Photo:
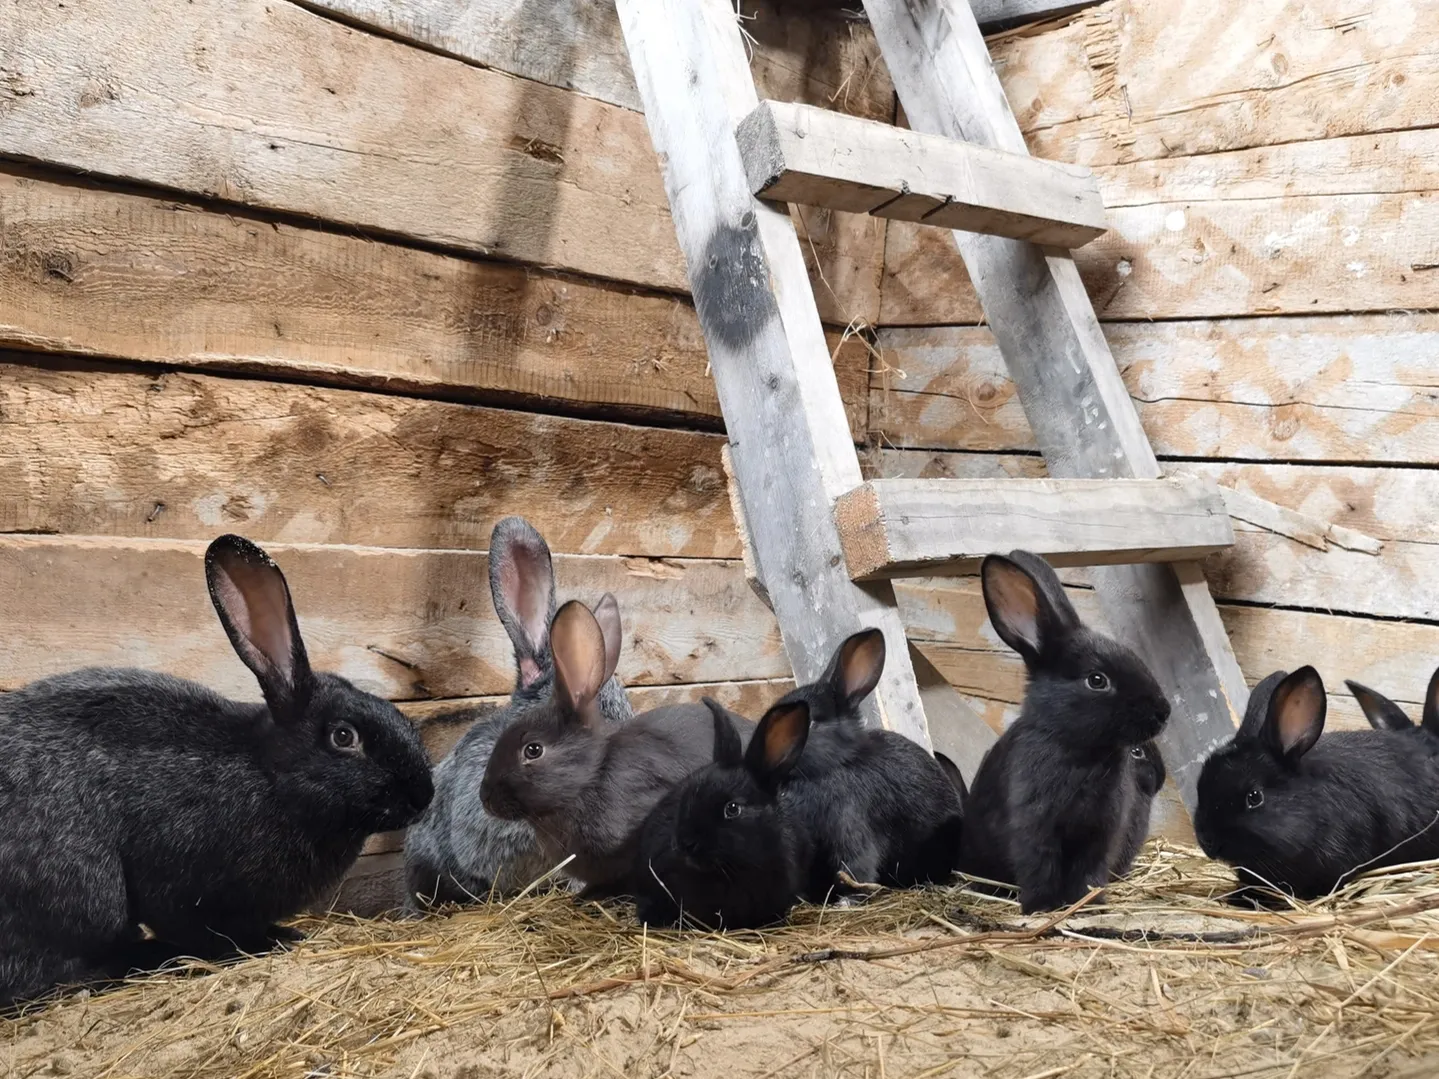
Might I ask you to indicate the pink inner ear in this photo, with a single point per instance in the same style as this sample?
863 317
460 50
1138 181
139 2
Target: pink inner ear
1016 599
525 586
529 672
254 598
862 666
1298 712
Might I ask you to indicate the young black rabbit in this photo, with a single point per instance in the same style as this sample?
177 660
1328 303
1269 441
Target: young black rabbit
1301 814
1053 807
875 803
586 785
1384 715
878 806
1149 776
718 850
457 852
135 798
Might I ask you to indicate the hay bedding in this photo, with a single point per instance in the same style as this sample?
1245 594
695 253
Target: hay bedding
923 983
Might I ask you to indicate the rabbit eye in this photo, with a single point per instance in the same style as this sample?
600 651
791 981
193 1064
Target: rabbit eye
534 751
731 810
1099 682
1138 753
1254 799
344 737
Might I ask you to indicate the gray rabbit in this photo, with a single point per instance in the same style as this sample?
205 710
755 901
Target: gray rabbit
458 853
584 783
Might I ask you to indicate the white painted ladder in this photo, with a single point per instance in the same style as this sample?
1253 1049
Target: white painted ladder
813 527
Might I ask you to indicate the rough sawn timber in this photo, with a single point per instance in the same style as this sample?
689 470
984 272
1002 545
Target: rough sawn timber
945 527
1391 508
1076 403
272 105
818 157
182 456
1330 388
1138 79
577 44
783 414
91 272
400 623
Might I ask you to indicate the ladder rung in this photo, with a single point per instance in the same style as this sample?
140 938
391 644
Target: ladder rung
818 157
921 528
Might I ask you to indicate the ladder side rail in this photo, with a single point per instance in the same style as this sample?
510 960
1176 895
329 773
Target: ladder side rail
1076 403
790 444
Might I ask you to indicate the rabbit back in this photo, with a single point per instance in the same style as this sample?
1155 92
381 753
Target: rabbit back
878 806
151 758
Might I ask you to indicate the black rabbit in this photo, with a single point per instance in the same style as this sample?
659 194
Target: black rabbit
718 850
1053 807
586 785
132 798
1384 715
877 805
457 852
1299 814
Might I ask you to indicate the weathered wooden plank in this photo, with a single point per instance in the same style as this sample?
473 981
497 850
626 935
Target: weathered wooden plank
945 527
101 452
577 44
1391 505
271 105
1076 403
948 622
818 157
1234 256
1352 388
86 271
1133 79
403 623
777 389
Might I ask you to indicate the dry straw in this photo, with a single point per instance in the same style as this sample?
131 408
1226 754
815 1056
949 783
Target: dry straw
1164 981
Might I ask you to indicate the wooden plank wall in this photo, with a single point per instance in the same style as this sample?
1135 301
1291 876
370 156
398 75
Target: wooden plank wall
1268 289
356 278
357 289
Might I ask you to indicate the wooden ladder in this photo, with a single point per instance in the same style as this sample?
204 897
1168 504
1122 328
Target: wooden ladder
822 544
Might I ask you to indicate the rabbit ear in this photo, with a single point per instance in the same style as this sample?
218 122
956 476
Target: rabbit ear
1257 709
856 667
578 645
1430 718
952 773
728 751
253 602
1382 713
607 614
1026 603
778 742
1296 714
522 585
